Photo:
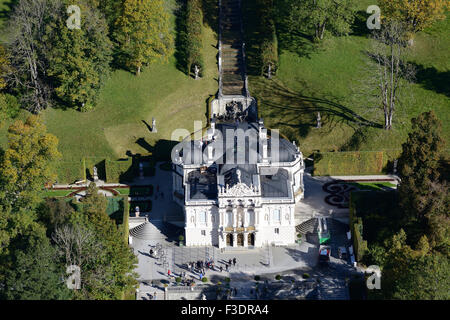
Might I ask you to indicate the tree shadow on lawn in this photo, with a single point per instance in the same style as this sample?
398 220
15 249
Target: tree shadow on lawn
301 110
432 79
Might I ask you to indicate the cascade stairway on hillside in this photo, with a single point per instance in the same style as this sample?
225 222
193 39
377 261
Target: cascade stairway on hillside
233 69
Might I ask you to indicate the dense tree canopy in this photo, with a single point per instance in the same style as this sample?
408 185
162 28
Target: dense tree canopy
143 33
27 163
321 15
80 58
417 14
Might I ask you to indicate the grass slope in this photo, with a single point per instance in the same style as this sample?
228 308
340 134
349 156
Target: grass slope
327 79
116 126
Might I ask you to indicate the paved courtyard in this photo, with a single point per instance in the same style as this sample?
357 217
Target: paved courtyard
165 225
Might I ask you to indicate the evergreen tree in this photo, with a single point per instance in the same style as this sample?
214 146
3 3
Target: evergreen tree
419 170
35 275
143 33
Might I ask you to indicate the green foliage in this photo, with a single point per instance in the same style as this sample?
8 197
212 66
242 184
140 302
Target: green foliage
193 42
204 279
349 163
418 163
70 171
36 275
143 33
278 277
356 228
316 16
79 58
9 107
27 163
306 276
257 278
120 170
261 35
115 262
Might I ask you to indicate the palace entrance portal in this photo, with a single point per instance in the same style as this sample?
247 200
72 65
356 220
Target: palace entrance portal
240 240
251 239
229 240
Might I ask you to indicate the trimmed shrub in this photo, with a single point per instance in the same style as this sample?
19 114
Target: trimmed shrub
125 219
178 279
349 163
204 279
356 228
278 277
120 170
70 171
193 42
305 276
227 279
268 37
257 278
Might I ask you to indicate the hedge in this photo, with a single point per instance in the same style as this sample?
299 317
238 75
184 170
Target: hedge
193 42
125 219
268 37
350 163
70 171
99 163
119 170
356 228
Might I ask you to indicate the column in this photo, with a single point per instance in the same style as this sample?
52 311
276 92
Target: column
234 239
245 239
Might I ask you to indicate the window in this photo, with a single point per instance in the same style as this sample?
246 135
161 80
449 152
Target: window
277 230
203 232
202 217
229 218
276 215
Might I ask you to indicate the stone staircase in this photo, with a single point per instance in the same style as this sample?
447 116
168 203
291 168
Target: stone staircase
309 226
232 55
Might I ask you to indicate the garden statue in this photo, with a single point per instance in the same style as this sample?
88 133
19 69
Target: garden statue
137 211
319 122
95 174
269 72
196 71
154 125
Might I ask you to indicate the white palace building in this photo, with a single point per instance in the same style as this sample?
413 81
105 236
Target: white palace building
238 184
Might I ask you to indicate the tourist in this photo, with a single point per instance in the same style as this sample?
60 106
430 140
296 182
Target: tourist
168 273
154 295
221 268
226 267
229 261
234 261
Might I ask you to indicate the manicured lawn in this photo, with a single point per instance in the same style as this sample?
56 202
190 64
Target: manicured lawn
328 79
116 127
373 185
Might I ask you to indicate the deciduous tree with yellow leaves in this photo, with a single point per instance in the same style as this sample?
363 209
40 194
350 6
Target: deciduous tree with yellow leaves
418 14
